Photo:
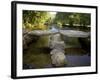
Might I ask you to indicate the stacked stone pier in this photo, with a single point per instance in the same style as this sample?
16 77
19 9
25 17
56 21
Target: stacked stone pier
57 50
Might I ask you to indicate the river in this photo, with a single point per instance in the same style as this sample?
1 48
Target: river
38 54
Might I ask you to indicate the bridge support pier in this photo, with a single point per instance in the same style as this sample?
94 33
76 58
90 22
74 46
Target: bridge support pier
57 53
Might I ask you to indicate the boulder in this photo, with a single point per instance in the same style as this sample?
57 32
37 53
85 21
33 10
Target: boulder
27 38
58 57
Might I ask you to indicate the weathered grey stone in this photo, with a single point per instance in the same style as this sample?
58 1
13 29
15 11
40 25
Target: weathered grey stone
57 53
42 32
58 57
74 33
57 45
69 33
27 38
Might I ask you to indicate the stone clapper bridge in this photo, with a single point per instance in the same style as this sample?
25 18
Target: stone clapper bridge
57 45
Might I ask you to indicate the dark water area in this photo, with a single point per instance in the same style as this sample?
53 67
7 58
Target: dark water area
78 60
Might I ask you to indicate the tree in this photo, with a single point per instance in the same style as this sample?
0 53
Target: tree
85 19
80 19
35 19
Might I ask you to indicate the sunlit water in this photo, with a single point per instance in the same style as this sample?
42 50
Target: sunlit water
53 29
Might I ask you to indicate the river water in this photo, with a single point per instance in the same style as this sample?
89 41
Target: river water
38 55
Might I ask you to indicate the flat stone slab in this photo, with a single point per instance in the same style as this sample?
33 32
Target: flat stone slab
42 32
68 33
74 33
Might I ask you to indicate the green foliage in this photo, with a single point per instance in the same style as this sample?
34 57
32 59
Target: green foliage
85 19
82 19
59 24
35 19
